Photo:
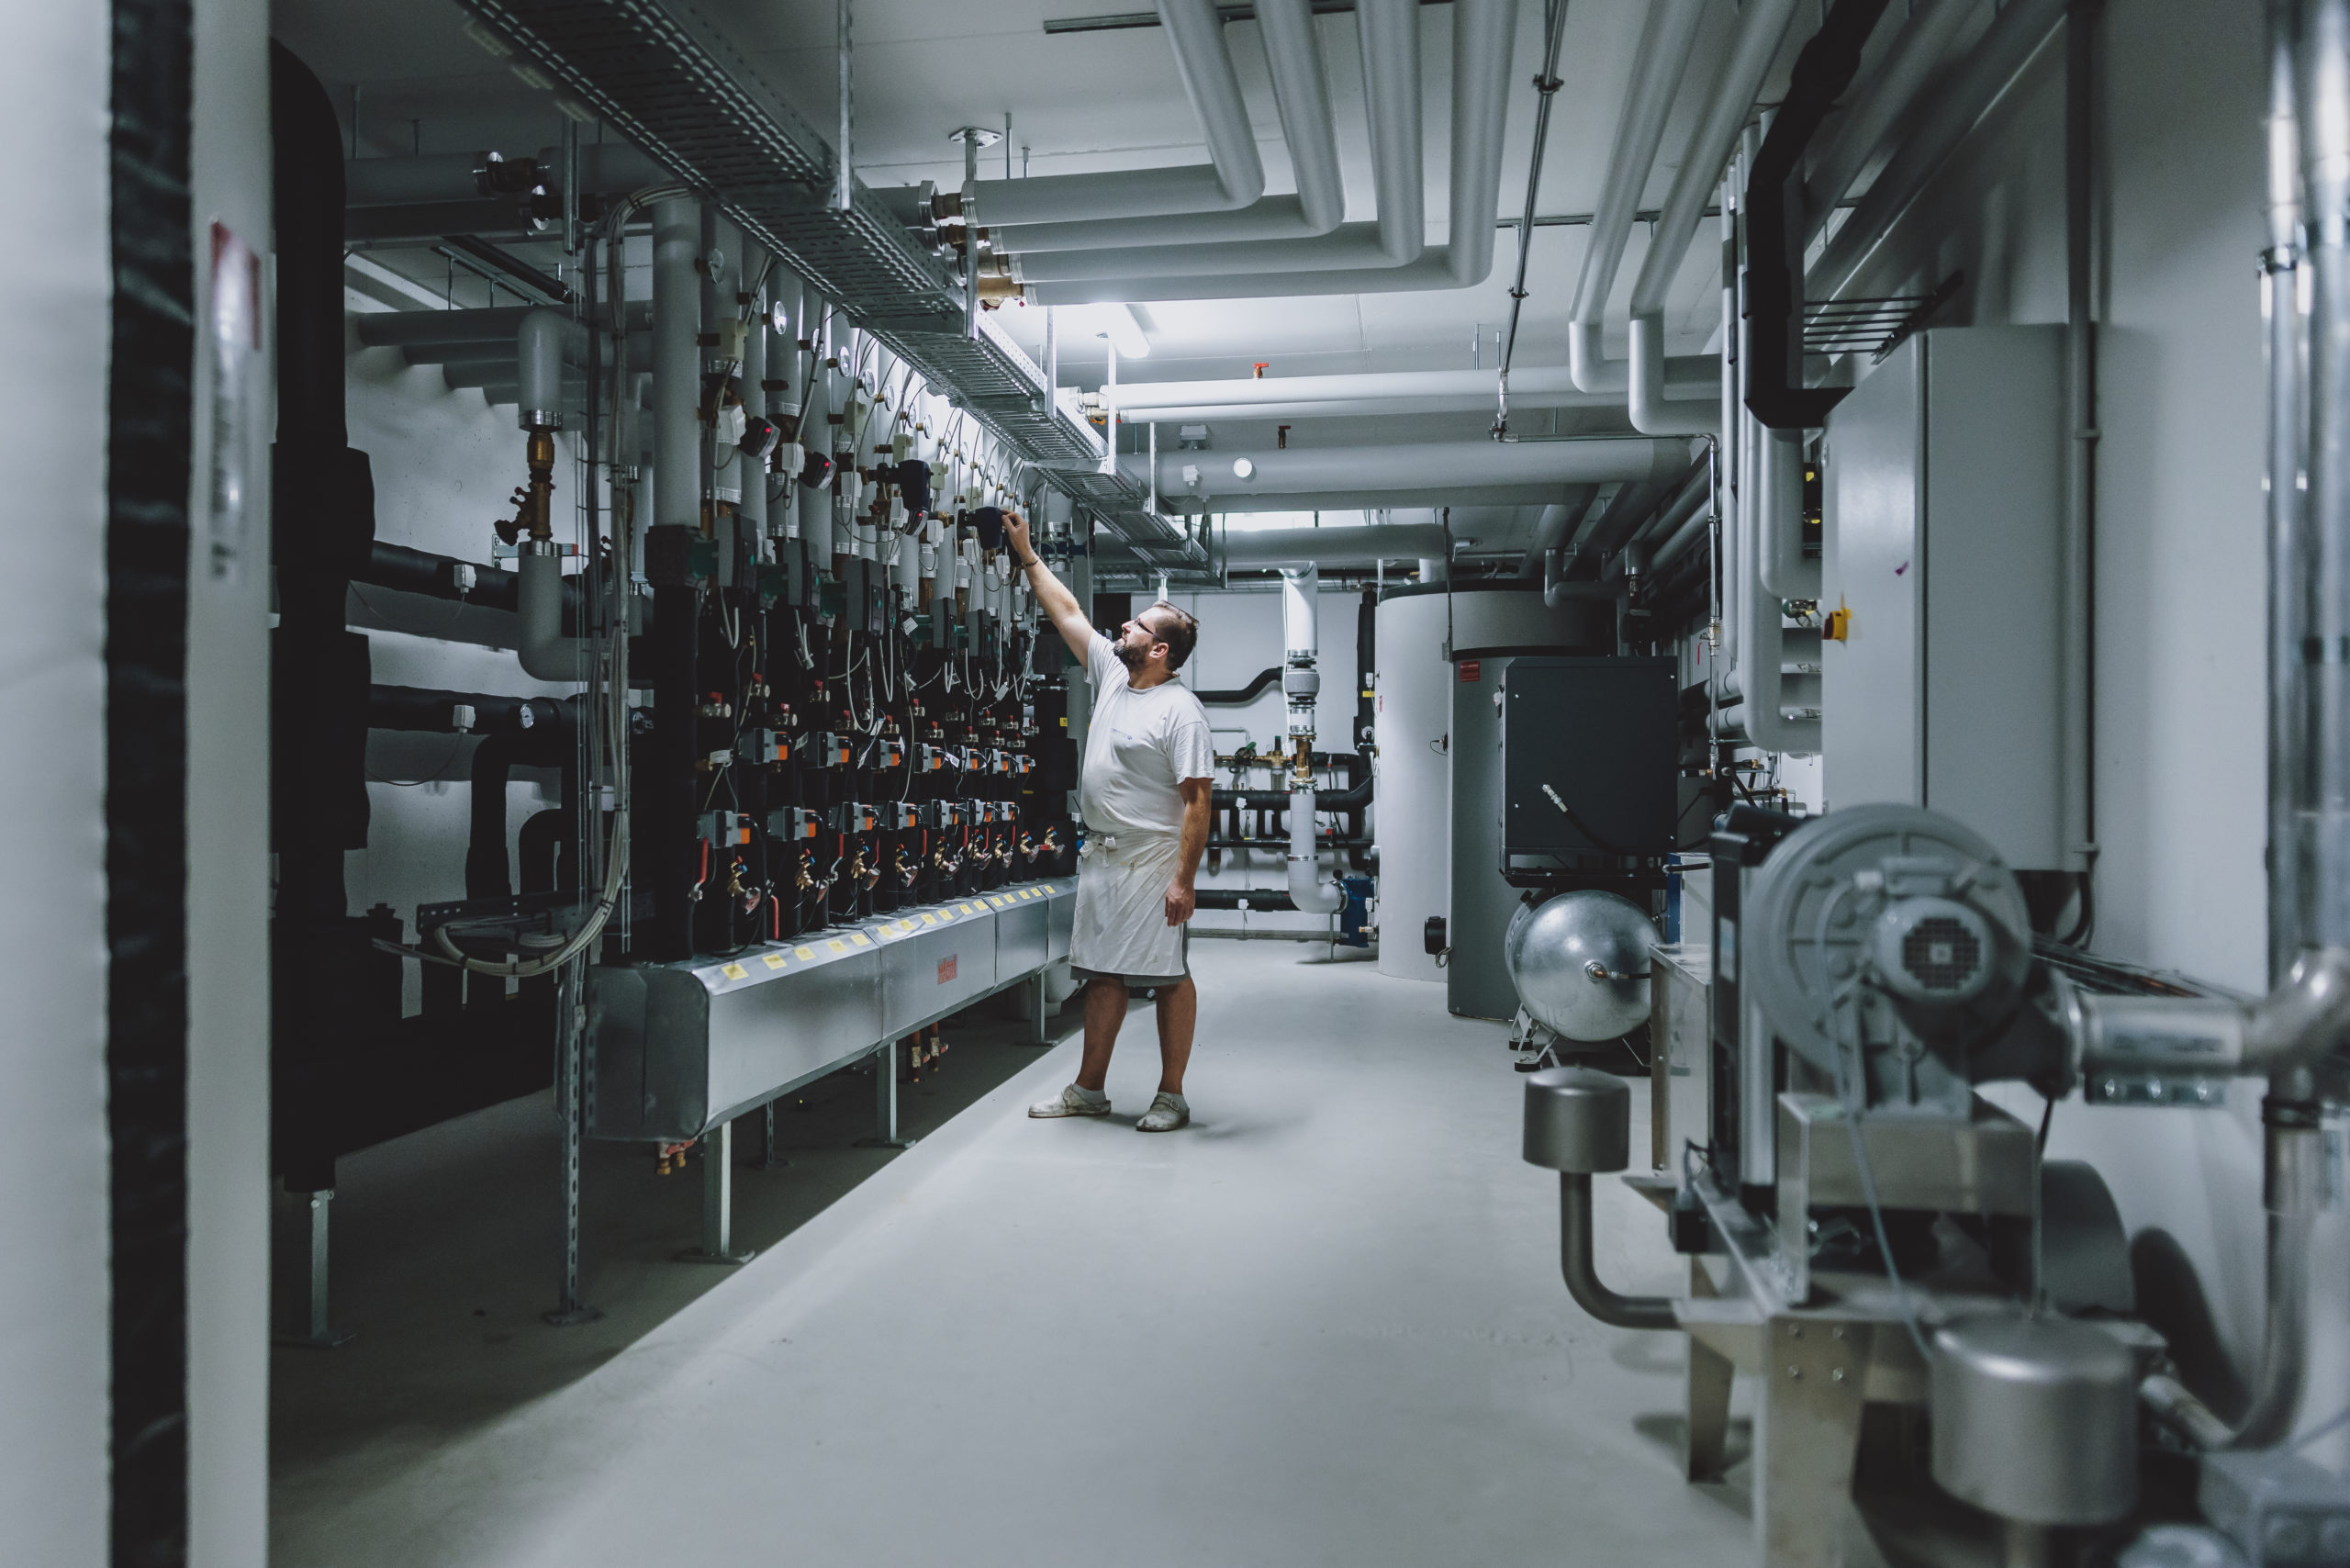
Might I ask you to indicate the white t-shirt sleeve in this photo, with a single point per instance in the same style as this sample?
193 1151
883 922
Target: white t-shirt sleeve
1101 657
1190 751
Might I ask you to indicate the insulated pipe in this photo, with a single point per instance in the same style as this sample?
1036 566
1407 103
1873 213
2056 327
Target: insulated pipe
1656 78
1390 68
420 709
1884 97
1302 685
539 344
1234 178
677 379
2286 542
551 745
431 178
1329 546
1384 392
1430 465
751 472
1483 31
1785 571
815 435
544 652
1302 93
2013 37
1761 28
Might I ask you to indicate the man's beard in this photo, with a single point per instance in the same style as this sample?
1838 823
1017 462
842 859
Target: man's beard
1133 658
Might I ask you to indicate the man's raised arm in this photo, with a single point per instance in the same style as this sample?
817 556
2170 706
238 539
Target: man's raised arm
1058 604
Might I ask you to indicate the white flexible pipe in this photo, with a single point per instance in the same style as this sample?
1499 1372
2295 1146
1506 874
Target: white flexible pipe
1483 31
1663 55
1234 177
1302 92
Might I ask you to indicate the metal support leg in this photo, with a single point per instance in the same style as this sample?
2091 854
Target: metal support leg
1710 1376
1807 1431
718 1202
303 1313
1039 1009
570 1311
885 1100
771 1154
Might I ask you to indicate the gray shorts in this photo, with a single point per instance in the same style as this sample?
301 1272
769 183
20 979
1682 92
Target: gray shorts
1132 982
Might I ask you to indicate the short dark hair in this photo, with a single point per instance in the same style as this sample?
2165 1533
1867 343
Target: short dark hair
1178 630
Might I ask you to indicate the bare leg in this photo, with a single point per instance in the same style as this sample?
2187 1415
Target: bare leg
1178 1009
1105 1009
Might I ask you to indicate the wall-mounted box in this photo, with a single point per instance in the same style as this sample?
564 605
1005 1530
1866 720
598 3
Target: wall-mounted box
1944 546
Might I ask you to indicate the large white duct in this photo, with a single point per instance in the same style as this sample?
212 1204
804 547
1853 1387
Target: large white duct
1663 55
1302 92
1384 392
1390 68
1232 481
1483 31
1234 178
1356 547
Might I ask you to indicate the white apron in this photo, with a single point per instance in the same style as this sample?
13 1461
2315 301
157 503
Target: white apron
1121 921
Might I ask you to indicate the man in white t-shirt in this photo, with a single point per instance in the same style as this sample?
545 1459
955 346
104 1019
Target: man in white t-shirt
1144 792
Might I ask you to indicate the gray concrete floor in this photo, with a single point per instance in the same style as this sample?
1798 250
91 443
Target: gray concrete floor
1322 1326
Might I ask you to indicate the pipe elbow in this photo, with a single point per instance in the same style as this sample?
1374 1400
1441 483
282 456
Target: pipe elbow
2305 1018
544 652
1651 413
1587 361
1306 889
1582 1276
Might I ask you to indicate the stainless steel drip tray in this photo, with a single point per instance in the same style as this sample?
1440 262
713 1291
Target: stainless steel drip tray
676 1048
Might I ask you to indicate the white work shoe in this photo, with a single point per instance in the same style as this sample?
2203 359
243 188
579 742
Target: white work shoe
1072 1102
1166 1115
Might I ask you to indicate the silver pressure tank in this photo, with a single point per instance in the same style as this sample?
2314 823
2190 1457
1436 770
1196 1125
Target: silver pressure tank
1580 962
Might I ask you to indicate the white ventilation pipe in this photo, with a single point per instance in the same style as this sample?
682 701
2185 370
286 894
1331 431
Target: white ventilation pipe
1656 78
1482 32
1229 480
1395 391
677 364
1220 242
1234 178
1761 28
1301 685
1355 547
1302 93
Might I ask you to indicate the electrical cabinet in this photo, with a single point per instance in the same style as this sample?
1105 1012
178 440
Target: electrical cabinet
1591 754
1942 570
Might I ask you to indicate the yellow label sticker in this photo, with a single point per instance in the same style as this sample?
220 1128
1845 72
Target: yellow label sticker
1064 721
862 940
774 960
735 971
930 920
805 953
838 945
968 910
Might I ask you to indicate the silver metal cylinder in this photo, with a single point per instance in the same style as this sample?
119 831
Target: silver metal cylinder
2035 1420
677 321
1578 1120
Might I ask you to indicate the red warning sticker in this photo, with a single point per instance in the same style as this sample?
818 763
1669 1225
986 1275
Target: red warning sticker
946 968
1471 672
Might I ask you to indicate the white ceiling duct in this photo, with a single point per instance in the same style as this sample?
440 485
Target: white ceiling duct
1357 258
1302 92
1508 471
1234 177
1381 392
1356 546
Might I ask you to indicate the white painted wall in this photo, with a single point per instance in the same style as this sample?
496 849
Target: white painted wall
228 739
54 1286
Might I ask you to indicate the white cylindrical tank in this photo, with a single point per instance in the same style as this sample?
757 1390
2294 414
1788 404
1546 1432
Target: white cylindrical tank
1412 713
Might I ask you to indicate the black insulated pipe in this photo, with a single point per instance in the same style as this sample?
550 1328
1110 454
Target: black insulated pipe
1775 392
1235 696
421 710
487 870
1583 1276
439 576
